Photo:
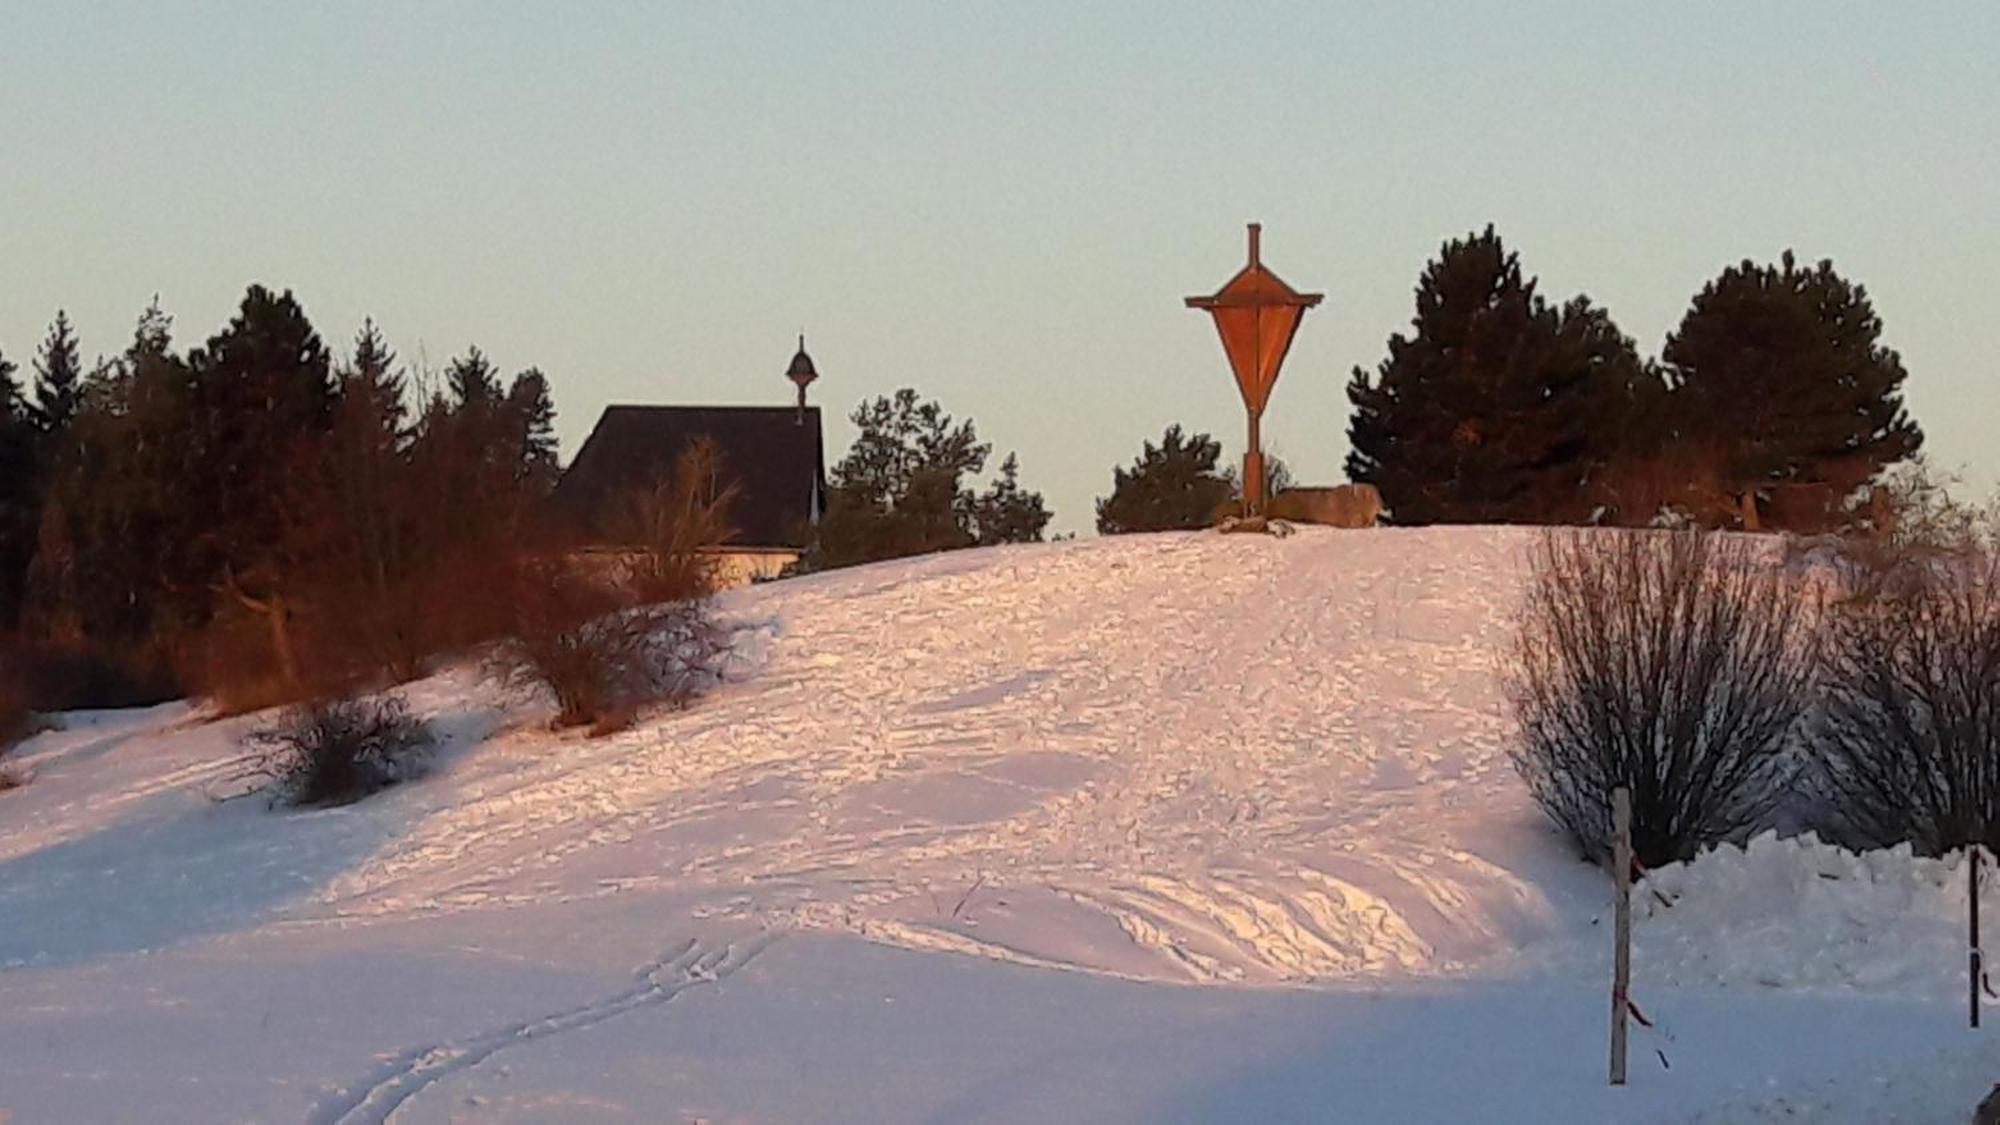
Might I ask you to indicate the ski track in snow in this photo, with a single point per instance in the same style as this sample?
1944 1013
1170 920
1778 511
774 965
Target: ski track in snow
1247 753
404 1077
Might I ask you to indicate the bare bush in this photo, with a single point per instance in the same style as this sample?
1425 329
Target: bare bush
1676 664
1907 745
602 660
672 525
334 752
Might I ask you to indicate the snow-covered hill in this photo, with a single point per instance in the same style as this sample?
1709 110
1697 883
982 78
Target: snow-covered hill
1218 760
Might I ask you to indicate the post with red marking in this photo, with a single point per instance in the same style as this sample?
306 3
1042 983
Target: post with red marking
1621 960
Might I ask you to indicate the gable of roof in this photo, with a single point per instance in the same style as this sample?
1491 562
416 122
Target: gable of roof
771 454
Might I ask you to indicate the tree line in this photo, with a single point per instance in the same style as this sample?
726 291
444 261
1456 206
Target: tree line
1774 404
262 518
256 507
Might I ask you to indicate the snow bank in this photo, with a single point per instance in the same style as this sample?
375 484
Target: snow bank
1798 913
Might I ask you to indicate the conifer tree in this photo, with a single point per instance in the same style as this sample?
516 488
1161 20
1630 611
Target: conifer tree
1497 407
899 491
1008 513
58 377
365 477
262 393
18 499
1782 369
531 423
1173 486
113 564
472 381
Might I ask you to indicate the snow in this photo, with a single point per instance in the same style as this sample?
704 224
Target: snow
1179 826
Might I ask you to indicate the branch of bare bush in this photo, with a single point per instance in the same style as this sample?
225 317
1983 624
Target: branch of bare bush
1676 664
332 752
1907 746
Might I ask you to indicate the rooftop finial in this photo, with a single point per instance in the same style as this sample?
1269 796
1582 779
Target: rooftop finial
800 373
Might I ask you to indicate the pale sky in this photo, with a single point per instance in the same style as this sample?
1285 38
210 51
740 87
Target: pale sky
999 204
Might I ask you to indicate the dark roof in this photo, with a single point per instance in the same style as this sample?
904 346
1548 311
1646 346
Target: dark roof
772 454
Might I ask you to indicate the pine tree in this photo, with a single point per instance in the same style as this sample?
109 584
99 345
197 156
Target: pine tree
372 389
485 455
58 377
1782 370
1173 486
113 561
472 381
531 423
263 394
366 457
1497 407
1008 513
899 491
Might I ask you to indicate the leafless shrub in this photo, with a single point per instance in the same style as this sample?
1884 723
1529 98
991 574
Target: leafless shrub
601 659
1672 663
1907 745
672 525
333 752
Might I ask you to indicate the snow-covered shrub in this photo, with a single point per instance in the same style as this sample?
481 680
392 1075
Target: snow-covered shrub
602 661
1675 663
332 752
1907 746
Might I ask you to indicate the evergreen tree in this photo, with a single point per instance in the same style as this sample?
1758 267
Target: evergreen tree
112 564
262 395
531 423
18 494
58 377
1173 486
1497 407
899 490
367 458
1782 370
373 391
472 381
486 455
369 533
1008 513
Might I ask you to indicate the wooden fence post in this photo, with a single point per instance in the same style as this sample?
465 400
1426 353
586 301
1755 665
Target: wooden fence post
1972 927
1621 962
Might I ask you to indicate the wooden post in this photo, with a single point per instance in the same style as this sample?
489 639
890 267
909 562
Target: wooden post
1621 960
1972 937
1253 472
